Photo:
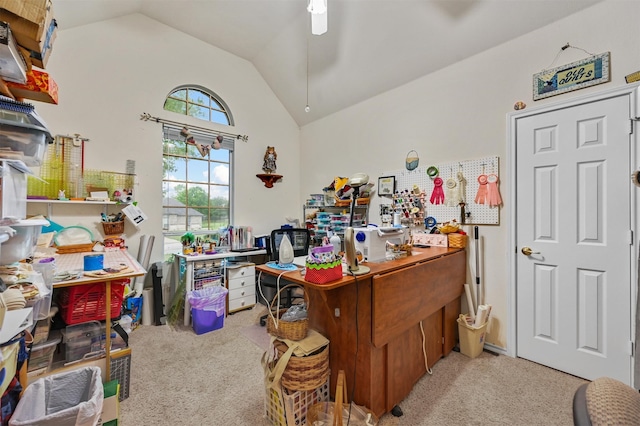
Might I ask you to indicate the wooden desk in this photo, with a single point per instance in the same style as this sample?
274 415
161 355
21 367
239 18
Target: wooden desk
75 262
373 321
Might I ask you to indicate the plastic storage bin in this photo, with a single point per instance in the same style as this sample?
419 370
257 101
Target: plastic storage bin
471 338
23 138
23 244
206 321
83 303
71 398
41 355
208 307
81 339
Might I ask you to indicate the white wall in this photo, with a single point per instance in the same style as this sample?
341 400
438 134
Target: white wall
459 113
110 72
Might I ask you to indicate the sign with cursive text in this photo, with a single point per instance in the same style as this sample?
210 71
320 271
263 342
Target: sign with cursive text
576 75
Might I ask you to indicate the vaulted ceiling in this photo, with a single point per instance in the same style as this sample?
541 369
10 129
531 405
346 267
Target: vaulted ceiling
371 46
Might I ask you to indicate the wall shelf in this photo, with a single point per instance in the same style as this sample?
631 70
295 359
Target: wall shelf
50 203
269 179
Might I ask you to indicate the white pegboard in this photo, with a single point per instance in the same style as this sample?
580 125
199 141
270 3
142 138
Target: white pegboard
481 214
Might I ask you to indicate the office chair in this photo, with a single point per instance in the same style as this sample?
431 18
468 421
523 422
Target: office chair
300 240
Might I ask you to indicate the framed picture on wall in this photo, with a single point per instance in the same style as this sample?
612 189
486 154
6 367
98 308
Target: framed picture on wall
386 186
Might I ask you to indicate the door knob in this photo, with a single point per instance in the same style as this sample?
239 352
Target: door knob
528 252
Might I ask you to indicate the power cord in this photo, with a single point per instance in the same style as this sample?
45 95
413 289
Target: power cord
424 349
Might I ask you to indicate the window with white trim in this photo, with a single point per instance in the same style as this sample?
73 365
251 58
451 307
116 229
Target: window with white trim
197 170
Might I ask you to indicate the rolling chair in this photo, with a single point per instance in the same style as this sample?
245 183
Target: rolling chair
300 240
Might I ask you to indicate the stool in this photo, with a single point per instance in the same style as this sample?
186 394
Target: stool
606 401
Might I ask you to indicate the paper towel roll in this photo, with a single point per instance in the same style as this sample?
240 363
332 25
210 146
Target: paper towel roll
147 306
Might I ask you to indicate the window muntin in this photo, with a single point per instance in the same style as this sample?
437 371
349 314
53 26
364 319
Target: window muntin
199 103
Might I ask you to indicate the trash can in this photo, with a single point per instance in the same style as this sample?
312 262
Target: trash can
208 307
471 338
71 398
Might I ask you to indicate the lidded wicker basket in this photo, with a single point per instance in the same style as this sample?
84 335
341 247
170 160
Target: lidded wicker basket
292 330
457 240
113 228
304 373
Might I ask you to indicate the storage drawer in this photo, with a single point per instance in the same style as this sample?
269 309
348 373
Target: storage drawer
236 283
242 303
241 292
245 271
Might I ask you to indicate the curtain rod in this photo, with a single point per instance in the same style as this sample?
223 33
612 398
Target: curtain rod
146 117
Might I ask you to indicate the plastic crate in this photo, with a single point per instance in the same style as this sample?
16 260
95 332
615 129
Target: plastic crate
87 302
289 408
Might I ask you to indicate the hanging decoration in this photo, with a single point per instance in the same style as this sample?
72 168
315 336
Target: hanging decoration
412 160
481 195
573 76
437 196
493 193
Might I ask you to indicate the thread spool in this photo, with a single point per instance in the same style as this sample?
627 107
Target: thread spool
396 219
93 262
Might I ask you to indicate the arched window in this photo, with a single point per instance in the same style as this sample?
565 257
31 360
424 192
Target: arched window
197 165
198 102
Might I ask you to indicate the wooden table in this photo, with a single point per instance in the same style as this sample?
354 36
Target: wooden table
75 262
373 321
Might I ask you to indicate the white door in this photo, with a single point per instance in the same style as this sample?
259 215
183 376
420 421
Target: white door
574 213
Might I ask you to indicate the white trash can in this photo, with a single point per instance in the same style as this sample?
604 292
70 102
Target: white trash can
71 398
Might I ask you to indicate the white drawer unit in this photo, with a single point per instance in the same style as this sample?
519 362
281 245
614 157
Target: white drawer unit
241 283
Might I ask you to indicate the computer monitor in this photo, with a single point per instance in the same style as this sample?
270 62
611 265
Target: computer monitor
300 239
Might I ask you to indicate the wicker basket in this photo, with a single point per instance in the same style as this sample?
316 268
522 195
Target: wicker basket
327 407
307 372
457 240
113 228
292 330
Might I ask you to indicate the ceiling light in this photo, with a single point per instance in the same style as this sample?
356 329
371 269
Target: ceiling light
318 10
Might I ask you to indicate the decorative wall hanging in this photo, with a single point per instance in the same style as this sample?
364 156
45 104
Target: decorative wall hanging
412 160
576 75
386 186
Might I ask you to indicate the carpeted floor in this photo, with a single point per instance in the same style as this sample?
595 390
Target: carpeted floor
180 378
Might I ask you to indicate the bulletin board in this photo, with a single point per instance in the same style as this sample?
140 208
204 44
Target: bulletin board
479 214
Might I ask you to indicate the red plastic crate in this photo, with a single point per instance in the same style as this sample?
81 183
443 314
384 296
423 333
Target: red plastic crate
86 302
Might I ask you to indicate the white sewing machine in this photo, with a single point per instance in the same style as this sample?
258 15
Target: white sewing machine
372 241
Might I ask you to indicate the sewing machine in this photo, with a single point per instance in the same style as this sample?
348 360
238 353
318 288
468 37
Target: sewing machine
372 241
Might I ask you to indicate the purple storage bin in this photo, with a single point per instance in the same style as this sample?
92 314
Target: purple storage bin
206 321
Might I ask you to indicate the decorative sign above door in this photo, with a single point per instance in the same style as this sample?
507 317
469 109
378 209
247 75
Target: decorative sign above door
576 75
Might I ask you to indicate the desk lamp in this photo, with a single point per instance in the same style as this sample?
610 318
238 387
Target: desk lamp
356 181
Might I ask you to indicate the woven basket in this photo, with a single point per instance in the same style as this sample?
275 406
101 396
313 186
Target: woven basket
113 228
307 372
326 408
457 240
292 330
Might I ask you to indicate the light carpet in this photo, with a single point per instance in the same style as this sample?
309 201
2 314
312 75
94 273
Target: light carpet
180 378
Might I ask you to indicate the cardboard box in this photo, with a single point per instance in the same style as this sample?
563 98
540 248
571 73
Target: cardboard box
111 404
29 19
39 87
40 56
13 66
33 26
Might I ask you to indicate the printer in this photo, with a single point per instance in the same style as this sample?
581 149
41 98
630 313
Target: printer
372 241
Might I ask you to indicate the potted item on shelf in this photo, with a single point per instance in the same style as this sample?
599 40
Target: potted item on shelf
187 239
